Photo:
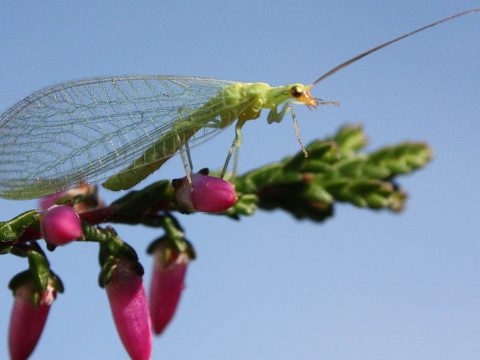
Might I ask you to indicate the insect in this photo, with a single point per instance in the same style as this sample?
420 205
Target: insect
124 128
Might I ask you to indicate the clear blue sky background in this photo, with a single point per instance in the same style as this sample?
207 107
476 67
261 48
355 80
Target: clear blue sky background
364 285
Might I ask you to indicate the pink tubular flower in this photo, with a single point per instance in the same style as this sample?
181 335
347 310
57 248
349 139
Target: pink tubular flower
61 225
27 320
129 306
168 281
205 193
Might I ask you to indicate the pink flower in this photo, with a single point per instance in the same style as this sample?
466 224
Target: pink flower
61 225
205 193
27 320
128 303
168 281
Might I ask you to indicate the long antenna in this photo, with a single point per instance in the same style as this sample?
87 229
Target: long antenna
376 48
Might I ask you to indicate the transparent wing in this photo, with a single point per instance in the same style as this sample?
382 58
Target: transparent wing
87 130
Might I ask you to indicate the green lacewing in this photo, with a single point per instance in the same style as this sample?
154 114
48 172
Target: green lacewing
123 128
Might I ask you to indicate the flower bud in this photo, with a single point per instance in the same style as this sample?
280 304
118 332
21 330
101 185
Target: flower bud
61 225
27 320
205 193
129 306
168 281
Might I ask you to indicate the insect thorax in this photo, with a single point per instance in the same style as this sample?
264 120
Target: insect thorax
242 101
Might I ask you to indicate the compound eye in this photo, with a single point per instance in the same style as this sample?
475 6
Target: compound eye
296 91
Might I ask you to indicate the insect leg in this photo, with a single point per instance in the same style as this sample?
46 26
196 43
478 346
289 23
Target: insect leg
186 162
238 134
235 146
275 116
189 156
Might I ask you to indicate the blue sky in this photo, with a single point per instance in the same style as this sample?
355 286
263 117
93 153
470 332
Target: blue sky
364 285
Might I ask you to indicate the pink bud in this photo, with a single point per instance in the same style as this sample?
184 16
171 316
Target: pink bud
61 225
168 281
205 193
27 321
128 303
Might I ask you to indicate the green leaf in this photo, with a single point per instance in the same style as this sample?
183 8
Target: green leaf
108 268
246 205
350 139
12 229
39 268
